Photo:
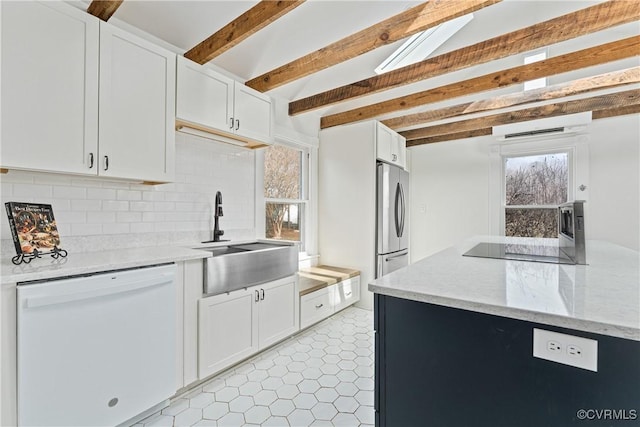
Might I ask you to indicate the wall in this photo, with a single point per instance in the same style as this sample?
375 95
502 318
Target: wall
450 188
95 214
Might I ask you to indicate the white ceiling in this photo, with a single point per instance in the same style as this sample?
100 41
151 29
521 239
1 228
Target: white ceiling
318 23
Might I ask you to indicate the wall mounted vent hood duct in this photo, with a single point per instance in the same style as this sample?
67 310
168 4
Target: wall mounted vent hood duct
561 125
190 128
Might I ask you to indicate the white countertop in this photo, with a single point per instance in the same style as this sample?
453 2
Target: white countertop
602 297
92 262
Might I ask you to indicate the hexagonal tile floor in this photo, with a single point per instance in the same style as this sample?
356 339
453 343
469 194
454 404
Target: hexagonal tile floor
322 376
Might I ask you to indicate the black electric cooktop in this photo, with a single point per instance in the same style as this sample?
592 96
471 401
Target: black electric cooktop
519 252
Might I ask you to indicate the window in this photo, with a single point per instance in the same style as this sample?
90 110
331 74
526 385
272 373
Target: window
285 193
534 187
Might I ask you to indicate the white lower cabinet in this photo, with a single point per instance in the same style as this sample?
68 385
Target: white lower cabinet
346 293
236 325
320 304
316 306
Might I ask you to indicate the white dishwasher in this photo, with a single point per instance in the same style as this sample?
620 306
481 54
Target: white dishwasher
95 350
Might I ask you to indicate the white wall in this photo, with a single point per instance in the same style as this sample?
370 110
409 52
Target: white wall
95 214
450 181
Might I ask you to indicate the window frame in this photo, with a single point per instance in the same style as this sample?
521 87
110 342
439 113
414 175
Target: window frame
307 195
576 147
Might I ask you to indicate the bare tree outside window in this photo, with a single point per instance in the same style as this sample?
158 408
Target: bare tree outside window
535 186
282 188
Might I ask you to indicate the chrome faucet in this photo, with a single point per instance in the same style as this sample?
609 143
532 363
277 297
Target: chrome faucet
217 214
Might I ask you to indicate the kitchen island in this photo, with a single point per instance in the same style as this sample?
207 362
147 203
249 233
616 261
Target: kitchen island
454 340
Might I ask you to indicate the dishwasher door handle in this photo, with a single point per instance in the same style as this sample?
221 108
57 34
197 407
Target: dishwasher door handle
42 301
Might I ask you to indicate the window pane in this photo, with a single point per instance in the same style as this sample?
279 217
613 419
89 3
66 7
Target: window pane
282 172
531 223
284 220
537 180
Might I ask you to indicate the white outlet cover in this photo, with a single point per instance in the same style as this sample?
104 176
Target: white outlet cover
587 359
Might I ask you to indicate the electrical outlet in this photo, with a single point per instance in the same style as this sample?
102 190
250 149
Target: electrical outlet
566 349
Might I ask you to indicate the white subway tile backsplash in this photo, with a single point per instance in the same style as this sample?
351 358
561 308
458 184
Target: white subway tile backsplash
129 195
101 194
86 205
141 206
115 205
83 230
101 217
128 216
69 192
115 228
93 213
30 191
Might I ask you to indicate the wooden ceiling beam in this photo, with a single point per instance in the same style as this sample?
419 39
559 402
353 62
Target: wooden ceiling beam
608 52
585 21
240 28
596 103
596 115
104 9
575 87
398 27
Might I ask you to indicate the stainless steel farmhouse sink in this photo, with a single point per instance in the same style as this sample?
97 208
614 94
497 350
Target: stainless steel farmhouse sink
239 266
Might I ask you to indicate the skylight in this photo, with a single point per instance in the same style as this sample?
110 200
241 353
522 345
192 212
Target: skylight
421 45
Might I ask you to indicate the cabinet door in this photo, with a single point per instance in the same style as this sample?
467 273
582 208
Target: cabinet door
252 114
228 330
204 97
49 115
278 308
385 139
137 107
401 144
346 293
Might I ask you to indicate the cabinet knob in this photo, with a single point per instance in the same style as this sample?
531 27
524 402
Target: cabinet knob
348 294
257 295
319 305
237 124
231 123
262 297
106 163
394 157
90 160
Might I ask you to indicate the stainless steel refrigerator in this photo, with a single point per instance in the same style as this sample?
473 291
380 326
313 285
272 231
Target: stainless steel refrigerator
392 235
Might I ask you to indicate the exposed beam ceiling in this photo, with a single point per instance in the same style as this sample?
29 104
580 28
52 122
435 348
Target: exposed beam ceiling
603 102
608 52
598 114
239 29
104 9
565 27
576 87
398 27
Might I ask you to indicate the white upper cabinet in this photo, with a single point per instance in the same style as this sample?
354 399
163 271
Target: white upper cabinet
210 102
252 114
83 97
204 96
49 87
137 107
390 146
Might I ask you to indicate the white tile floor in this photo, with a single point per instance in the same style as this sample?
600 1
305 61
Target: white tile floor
320 377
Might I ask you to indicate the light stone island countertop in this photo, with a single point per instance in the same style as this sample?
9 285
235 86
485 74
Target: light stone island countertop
602 297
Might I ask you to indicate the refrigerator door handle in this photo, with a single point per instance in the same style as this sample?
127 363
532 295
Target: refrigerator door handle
398 202
403 210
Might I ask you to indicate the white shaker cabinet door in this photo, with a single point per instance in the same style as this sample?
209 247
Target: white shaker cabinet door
385 139
204 97
278 310
137 107
228 330
49 87
252 115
